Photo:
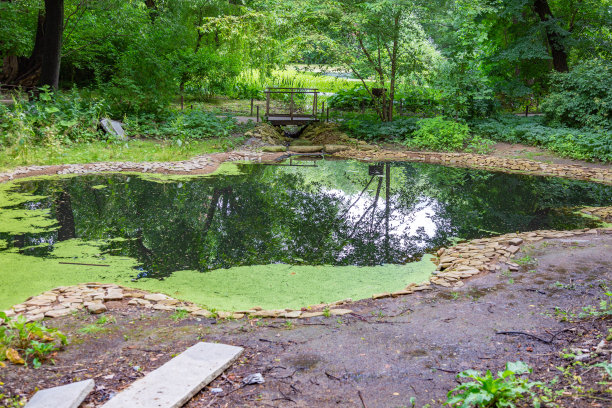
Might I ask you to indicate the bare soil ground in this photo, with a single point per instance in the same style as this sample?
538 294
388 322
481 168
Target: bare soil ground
389 350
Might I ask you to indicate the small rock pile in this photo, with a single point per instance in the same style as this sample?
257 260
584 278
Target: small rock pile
603 213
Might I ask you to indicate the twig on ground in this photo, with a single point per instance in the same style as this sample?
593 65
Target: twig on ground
361 398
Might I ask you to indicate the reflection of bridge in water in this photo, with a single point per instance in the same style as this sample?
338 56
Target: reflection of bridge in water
296 116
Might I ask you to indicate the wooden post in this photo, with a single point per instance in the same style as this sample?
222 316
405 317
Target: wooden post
322 109
268 103
315 104
291 106
328 114
251 106
257 113
182 101
527 110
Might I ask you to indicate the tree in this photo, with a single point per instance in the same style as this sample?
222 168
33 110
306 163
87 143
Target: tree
52 43
373 39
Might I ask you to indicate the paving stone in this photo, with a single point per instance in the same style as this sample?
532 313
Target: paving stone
96 308
65 396
156 297
174 383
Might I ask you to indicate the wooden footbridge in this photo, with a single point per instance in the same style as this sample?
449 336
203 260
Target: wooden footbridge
296 115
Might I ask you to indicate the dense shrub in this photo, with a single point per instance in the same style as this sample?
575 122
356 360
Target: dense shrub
466 92
582 97
52 118
583 144
350 99
440 134
372 129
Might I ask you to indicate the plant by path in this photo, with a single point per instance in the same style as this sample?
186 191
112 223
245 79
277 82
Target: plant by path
23 343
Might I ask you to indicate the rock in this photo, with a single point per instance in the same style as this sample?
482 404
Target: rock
306 315
339 312
58 312
513 249
224 315
114 128
367 147
237 316
306 149
113 295
202 312
162 307
156 297
274 149
168 302
292 315
516 241
96 308
401 292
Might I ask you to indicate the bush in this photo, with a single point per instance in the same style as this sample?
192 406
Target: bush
53 118
582 97
22 342
372 129
440 134
581 144
350 99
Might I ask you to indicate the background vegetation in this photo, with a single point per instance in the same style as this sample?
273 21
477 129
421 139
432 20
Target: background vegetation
383 65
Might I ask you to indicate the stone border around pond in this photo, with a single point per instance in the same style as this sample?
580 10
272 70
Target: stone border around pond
485 162
208 163
454 264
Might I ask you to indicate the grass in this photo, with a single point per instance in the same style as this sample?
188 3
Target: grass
134 150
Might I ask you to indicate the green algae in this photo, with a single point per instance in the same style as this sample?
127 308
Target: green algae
275 286
279 286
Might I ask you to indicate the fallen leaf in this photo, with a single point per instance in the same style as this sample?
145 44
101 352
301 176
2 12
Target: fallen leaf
14 356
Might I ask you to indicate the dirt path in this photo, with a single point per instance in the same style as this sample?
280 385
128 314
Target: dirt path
390 349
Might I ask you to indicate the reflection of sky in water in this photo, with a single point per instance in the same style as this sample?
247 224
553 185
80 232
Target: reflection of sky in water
403 222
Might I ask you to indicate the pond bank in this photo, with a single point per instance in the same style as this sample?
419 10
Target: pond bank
208 163
390 349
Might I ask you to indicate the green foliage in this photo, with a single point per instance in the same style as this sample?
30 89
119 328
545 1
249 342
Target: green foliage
34 341
179 314
604 310
582 144
372 129
487 391
582 97
51 119
466 92
440 134
350 99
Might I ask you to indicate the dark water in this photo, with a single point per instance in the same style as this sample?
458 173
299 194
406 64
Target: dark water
335 212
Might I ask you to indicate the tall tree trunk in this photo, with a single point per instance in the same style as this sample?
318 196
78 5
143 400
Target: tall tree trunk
555 40
52 53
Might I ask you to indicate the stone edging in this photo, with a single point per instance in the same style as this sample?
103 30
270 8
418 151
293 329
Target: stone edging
485 162
453 264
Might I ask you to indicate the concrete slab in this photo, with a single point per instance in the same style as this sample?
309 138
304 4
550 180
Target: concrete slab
174 383
65 396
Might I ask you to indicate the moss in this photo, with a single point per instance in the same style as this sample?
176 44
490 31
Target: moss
270 286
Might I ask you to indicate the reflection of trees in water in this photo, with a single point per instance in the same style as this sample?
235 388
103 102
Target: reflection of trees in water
268 215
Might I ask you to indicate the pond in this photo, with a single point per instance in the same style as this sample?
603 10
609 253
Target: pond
269 235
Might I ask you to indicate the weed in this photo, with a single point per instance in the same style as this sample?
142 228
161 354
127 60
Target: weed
288 324
604 309
179 314
526 260
455 295
34 340
98 326
487 391
326 312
